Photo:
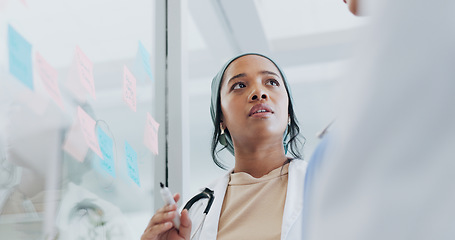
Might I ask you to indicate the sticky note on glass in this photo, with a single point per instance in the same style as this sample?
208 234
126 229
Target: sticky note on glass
151 134
144 59
49 78
74 84
20 57
129 88
85 71
107 149
36 102
3 4
131 163
88 129
75 144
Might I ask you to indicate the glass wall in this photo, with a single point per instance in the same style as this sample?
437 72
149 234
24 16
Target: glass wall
78 136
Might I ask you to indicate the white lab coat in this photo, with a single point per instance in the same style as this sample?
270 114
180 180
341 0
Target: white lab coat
292 216
392 173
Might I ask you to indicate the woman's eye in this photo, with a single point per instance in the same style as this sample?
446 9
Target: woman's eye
238 85
272 82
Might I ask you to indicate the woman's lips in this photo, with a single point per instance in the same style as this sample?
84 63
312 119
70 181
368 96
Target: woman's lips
260 110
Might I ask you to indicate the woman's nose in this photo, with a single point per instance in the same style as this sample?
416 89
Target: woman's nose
255 97
258 94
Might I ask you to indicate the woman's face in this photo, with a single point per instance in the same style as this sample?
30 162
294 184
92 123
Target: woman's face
254 100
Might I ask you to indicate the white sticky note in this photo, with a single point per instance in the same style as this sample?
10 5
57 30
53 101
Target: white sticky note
151 134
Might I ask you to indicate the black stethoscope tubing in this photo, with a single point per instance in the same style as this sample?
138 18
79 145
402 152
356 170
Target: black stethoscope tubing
207 193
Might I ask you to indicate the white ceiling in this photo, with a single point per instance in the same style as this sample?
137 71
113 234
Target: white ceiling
294 32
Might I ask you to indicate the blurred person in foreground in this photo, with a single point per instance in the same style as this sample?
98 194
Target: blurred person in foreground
390 171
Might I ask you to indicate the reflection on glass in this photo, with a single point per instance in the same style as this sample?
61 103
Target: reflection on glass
52 184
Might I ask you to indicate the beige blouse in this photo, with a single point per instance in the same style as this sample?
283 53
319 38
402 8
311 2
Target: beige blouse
253 207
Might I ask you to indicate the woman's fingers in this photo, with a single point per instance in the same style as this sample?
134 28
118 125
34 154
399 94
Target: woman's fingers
160 228
154 231
161 222
164 214
176 197
184 232
185 225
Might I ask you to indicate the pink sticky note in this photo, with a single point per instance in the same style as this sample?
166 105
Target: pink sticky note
151 134
37 103
88 129
74 85
75 144
129 88
85 70
49 77
3 4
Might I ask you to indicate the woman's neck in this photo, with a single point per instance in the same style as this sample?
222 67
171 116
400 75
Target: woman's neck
259 160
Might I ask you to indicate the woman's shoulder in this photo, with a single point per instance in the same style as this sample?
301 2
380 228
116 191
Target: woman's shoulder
221 180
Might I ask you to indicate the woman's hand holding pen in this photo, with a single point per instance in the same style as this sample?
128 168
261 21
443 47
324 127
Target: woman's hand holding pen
161 225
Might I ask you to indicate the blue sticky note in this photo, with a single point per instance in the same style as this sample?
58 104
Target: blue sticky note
106 146
20 57
145 59
131 163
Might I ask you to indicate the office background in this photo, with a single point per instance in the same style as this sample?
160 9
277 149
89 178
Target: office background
128 66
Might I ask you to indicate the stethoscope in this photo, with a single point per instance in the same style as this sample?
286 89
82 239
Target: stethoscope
207 193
